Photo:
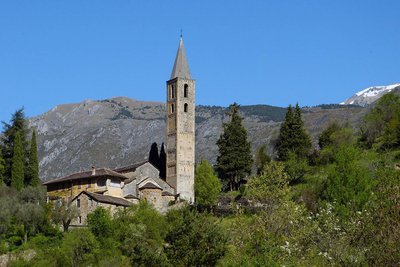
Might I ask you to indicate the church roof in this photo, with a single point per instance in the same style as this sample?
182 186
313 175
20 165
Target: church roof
181 66
106 199
150 186
87 174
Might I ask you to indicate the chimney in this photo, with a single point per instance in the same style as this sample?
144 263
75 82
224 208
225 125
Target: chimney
93 170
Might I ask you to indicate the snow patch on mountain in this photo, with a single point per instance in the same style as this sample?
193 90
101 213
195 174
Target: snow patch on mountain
370 95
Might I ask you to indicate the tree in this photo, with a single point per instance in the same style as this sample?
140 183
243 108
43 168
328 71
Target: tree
207 186
141 230
194 239
234 161
18 124
100 223
349 184
262 158
325 138
33 163
154 158
64 213
293 136
18 160
2 169
163 162
379 123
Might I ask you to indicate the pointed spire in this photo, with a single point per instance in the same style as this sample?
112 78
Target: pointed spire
181 66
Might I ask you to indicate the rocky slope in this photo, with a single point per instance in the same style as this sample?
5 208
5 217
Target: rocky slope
119 131
370 95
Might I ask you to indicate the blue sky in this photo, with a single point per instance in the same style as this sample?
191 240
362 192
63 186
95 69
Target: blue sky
252 52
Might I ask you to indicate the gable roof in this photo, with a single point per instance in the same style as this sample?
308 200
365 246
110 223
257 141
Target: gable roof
131 168
150 185
106 199
87 174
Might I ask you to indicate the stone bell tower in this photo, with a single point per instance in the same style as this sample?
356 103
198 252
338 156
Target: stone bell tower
181 127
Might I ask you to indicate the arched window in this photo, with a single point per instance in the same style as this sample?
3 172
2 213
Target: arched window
185 107
172 108
185 90
172 91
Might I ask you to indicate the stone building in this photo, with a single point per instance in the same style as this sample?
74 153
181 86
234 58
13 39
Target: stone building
122 187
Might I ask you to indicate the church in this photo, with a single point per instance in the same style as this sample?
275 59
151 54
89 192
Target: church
118 188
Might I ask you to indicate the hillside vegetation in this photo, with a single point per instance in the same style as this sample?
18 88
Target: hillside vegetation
333 205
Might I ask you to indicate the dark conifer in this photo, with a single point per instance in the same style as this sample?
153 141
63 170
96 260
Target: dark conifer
17 169
293 137
18 124
33 164
234 160
154 158
163 162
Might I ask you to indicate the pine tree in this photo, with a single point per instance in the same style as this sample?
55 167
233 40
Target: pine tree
154 158
33 164
293 137
17 169
234 160
18 124
163 162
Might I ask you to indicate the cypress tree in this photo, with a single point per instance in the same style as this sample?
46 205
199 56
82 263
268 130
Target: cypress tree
163 162
154 158
18 124
17 169
33 165
234 160
293 137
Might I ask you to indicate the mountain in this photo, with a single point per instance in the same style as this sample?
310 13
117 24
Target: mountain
370 95
119 131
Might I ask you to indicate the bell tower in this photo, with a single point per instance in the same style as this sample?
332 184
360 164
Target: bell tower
181 127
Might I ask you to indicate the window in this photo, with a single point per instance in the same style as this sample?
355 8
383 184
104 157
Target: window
80 219
185 107
115 183
78 203
79 184
101 182
185 90
91 202
89 183
172 91
172 108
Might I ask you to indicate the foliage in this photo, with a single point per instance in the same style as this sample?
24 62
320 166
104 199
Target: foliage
194 239
78 247
18 160
2 168
207 187
140 232
293 137
349 184
18 124
296 167
234 160
262 158
33 163
64 213
100 223
381 125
